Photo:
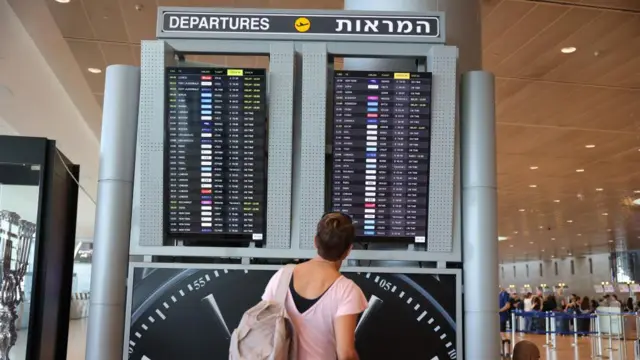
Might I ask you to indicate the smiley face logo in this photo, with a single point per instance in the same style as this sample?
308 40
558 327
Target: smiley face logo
302 24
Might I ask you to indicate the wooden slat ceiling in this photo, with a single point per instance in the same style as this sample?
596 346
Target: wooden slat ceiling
550 107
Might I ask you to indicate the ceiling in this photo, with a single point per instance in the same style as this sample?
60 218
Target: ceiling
550 106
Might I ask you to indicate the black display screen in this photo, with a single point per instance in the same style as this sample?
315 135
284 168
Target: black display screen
381 147
215 162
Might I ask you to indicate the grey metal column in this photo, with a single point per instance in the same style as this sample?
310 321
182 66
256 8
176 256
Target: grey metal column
462 30
479 214
113 214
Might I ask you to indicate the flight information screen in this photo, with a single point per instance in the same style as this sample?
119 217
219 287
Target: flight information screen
215 163
381 137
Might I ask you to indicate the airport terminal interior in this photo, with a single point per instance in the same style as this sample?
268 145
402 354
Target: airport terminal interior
160 160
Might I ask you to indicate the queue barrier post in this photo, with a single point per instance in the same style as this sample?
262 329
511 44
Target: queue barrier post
513 330
575 331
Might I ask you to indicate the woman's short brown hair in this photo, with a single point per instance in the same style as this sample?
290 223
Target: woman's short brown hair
334 236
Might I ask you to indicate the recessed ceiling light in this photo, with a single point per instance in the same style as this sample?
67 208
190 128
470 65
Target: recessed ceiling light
579 234
599 189
556 201
510 245
63 1
610 241
531 242
563 248
605 214
94 70
553 239
590 146
568 50
522 210
636 202
553 256
579 170
609 230
569 254
542 250
585 244
515 232
569 221
502 238
533 186
636 191
533 167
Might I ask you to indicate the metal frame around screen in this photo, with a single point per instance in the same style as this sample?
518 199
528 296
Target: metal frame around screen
397 270
297 195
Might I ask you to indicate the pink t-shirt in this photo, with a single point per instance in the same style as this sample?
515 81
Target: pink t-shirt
316 336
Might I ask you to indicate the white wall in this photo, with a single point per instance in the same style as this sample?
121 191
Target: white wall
580 282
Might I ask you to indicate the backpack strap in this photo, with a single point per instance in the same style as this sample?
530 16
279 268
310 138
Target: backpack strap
283 284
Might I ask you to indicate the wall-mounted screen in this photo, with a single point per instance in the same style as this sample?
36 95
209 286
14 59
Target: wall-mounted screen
381 148
215 161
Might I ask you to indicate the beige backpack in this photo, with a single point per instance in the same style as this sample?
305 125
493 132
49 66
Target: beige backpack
265 331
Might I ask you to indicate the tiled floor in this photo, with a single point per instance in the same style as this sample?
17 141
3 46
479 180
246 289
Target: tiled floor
564 348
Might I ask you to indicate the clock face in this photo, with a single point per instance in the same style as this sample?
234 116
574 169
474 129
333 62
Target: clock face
191 313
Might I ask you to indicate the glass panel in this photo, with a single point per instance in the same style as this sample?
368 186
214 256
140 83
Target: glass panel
19 195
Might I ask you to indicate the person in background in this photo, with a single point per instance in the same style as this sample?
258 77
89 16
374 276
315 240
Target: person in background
594 305
613 301
629 305
537 323
506 304
584 323
549 303
528 306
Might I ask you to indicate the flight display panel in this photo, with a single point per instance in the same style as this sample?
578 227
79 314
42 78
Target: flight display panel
381 148
215 157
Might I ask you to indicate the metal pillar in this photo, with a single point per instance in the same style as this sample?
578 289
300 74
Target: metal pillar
113 213
479 208
462 30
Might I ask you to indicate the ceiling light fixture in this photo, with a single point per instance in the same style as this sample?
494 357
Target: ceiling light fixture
533 167
569 221
579 234
553 239
542 250
636 202
522 210
510 245
533 186
552 256
599 189
605 214
610 241
531 242
502 238
590 146
63 1
94 70
636 191
569 254
568 50
556 201
579 170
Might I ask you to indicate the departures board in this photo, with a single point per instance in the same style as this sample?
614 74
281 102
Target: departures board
381 148
215 157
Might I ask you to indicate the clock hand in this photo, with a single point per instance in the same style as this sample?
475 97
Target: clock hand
211 301
375 303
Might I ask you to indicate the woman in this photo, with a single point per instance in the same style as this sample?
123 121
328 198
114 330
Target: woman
324 305
584 323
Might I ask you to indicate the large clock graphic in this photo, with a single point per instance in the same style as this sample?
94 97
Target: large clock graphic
191 313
